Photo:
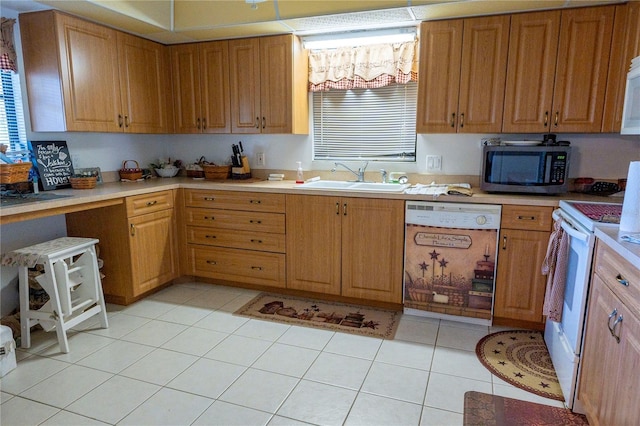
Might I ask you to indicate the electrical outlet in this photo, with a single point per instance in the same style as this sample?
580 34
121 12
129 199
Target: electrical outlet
260 159
434 163
75 161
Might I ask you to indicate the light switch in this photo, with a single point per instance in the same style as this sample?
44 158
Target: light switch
434 163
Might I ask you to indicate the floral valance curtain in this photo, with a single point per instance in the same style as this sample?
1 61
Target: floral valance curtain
363 67
8 57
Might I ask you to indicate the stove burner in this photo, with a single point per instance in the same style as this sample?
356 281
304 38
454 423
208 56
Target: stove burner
605 213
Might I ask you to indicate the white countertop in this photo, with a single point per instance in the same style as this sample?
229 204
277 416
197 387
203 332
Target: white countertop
115 191
611 237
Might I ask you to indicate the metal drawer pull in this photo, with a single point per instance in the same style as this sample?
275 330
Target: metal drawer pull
504 242
526 218
255 221
152 203
337 208
212 262
611 315
255 201
204 124
198 123
257 122
209 218
257 268
119 120
461 120
344 209
622 280
209 198
555 122
264 122
126 121
257 241
453 120
132 229
546 118
615 324
210 236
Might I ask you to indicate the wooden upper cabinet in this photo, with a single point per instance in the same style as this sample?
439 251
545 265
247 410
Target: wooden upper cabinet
533 50
71 73
86 77
439 82
625 45
462 75
244 80
144 85
268 84
201 87
484 64
581 71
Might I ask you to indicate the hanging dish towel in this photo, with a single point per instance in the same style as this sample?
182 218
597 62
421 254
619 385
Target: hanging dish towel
555 267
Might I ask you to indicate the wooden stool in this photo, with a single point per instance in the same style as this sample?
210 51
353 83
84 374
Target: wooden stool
71 279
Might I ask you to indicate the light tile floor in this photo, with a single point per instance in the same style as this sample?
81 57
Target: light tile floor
180 357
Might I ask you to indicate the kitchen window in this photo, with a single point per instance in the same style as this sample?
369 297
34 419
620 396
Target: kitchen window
12 128
366 124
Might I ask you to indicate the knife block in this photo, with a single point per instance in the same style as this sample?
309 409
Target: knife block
243 172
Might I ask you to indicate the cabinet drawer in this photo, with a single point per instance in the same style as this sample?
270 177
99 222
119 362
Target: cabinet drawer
238 265
240 220
148 203
229 200
619 275
250 240
528 218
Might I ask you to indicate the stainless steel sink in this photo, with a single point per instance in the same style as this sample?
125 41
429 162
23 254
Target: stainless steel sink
353 186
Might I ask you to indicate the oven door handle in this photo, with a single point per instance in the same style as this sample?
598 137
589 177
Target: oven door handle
570 228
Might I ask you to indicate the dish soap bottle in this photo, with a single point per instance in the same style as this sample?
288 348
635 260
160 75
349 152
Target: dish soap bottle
299 173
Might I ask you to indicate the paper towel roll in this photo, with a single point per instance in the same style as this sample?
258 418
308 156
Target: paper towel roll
630 219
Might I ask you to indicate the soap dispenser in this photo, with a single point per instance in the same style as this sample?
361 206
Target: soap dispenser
299 173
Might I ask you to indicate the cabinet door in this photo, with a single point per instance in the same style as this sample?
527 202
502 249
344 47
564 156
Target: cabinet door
276 99
143 84
244 82
625 45
186 88
89 67
520 286
484 66
439 82
372 249
153 250
214 82
533 48
314 243
581 72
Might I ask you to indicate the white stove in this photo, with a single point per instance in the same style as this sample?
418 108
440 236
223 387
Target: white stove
564 338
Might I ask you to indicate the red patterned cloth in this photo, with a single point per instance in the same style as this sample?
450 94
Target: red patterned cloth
555 267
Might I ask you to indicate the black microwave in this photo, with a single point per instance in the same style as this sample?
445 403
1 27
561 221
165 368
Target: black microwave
539 169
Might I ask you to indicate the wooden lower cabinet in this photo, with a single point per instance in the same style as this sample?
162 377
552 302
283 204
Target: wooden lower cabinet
520 285
235 236
609 388
345 246
138 244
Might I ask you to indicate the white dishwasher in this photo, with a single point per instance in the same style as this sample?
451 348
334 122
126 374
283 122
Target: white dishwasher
450 260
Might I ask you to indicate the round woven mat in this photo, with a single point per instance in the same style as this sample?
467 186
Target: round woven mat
521 358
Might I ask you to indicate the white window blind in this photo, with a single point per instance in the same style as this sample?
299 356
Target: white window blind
369 124
12 129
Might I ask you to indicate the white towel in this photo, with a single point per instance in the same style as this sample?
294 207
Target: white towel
555 267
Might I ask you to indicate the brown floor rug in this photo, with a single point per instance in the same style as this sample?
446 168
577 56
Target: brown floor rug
521 358
492 410
365 321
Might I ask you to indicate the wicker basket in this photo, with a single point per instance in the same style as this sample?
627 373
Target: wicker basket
130 173
216 172
195 173
16 172
84 182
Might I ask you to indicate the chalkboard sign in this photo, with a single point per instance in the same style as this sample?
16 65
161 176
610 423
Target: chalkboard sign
53 162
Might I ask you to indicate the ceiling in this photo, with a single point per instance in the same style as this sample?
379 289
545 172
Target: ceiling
181 21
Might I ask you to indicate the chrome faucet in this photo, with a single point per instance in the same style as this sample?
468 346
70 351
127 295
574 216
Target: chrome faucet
359 174
383 175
